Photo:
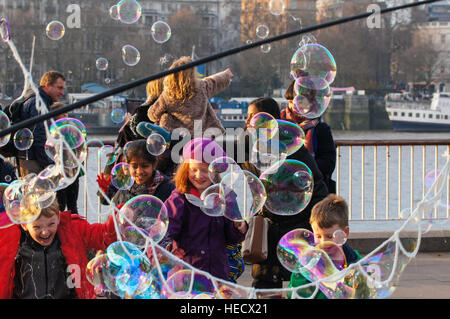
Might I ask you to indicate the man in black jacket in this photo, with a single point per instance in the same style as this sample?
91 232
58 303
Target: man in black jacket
51 89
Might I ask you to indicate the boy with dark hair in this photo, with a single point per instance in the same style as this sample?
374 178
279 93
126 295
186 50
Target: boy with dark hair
47 259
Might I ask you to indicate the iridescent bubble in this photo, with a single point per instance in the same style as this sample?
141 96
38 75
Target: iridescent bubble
145 213
186 284
4 124
94 271
55 30
291 135
292 245
43 189
5 221
213 201
311 103
267 153
8 178
339 237
220 167
316 62
262 31
66 145
114 12
265 48
276 7
107 80
118 116
263 126
94 142
102 64
161 32
244 195
121 176
5 32
107 154
69 121
156 144
130 55
129 11
20 207
289 187
23 139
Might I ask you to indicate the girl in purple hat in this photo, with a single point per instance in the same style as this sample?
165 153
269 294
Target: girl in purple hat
197 238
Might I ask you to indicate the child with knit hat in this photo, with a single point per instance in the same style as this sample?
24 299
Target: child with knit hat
197 238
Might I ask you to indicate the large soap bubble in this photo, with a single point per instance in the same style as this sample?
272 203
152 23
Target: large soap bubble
22 208
289 187
188 284
311 103
129 11
314 62
291 135
4 124
263 126
276 7
220 167
23 139
5 221
161 32
121 176
156 144
130 55
141 217
244 195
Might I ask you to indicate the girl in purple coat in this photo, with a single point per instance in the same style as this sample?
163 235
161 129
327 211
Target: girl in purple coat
197 238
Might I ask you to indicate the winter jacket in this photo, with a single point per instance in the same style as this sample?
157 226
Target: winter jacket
37 150
199 239
77 237
171 114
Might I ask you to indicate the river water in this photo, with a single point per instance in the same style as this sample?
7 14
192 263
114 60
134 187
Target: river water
365 215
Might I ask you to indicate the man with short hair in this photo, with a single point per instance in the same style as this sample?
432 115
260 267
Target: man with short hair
51 89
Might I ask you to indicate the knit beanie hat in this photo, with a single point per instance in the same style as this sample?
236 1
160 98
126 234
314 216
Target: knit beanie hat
202 150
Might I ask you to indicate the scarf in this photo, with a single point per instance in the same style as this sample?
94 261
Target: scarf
158 178
307 125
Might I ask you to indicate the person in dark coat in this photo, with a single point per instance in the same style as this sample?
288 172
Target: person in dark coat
270 273
35 159
319 139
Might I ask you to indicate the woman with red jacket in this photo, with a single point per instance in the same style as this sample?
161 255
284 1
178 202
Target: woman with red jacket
47 259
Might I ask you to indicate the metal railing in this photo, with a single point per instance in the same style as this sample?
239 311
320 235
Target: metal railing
376 178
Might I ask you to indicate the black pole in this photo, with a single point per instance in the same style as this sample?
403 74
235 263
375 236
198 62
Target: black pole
130 85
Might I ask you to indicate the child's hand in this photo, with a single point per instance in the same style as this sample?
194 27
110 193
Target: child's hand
229 72
103 182
241 226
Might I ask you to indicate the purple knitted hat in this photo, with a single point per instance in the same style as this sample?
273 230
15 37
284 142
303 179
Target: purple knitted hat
202 150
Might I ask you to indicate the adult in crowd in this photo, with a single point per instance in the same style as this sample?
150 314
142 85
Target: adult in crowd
51 89
319 139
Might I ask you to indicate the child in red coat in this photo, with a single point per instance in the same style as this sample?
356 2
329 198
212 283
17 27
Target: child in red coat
47 259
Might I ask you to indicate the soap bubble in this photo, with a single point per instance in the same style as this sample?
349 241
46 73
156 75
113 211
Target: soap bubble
265 48
5 31
20 207
4 124
5 221
107 154
292 246
107 80
213 201
244 195
94 142
289 187
130 55
161 32
43 189
8 178
23 139
220 167
55 30
156 144
262 31
145 213
263 126
339 237
276 7
117 116
94 271
311 103
114 12
102 64
291 135
267 153
186 284
69 121
315 62
121 176
129 11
